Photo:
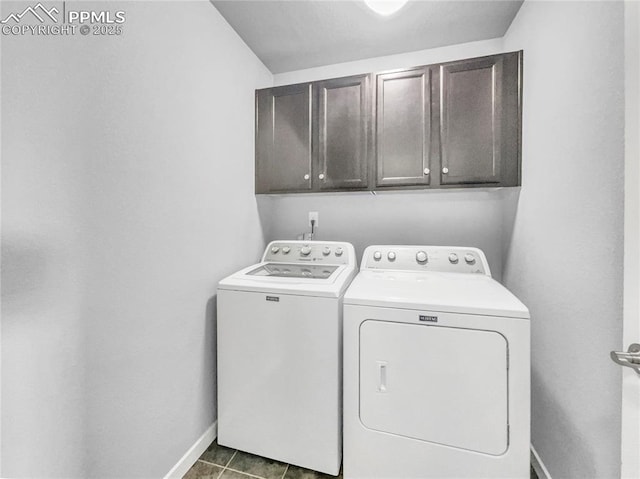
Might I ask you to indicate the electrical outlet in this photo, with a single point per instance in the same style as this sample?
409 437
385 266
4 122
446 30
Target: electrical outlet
313 216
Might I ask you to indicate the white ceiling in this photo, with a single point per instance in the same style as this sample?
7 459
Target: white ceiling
292 35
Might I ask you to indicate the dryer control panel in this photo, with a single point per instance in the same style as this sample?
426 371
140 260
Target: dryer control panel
448 259
315 252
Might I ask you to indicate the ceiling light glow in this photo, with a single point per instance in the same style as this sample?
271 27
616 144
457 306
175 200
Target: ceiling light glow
385 7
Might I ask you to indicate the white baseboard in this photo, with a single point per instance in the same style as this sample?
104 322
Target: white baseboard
191 456
538 465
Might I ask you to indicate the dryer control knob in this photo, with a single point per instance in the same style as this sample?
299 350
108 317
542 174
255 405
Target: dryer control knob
339 251
286 250
275 249
326 251
391 256
421 257
377 255
469 258
453 258
305 250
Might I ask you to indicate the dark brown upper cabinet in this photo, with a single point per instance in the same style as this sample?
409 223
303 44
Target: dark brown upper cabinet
480 121
283 139
313 136
343 107
451 125
403 128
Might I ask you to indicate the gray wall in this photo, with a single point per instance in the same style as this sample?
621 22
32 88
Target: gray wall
564 257
459 218
127 193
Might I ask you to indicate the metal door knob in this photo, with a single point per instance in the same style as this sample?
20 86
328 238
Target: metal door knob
445 170
630 358
427 171
306 177
321 176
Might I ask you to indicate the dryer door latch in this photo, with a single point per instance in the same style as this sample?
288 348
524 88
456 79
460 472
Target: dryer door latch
382 376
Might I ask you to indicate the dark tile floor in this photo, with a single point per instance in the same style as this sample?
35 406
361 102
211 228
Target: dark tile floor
219 462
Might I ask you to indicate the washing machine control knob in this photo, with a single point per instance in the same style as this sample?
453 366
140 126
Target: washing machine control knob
469 258
391 256
453 258
275 249
339 251
305 250
326 251
286 250
421 257
377 255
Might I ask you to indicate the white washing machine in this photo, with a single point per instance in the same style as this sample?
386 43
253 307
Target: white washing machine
436 368
280 354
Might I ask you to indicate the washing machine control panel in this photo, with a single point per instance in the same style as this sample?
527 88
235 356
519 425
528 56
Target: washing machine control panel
318 252
449 259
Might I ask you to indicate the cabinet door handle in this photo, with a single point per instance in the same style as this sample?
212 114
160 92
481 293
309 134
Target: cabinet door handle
306 177
445 170
427 171
321 176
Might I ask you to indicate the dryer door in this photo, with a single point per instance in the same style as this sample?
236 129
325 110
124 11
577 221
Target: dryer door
438 384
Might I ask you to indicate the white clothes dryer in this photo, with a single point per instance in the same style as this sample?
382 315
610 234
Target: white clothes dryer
436 368
280 354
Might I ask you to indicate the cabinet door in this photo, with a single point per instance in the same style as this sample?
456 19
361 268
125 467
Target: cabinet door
403 124
283 139
480 121
343 113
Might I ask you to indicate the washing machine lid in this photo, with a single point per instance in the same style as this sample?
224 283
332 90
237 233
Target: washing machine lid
303 280
279 270
435 291
304 268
